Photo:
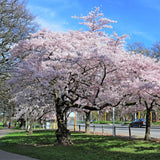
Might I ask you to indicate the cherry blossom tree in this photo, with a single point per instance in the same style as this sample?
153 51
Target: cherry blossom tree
32 104
75 66
142 83
85 70
96 22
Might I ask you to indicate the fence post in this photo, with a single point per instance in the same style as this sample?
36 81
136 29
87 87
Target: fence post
74 127
94 129
79 128
129 131
114 131
102 130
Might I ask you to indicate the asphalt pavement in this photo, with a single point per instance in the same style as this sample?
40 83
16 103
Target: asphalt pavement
121 130
11 156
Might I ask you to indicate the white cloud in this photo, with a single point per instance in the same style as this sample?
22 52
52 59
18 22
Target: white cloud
51 25
51 15
42 11
46 18
142 35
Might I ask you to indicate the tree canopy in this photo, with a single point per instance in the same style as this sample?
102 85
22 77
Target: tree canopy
16 22
84 70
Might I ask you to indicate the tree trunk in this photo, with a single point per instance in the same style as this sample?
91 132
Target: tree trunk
30 129
87 126
4 119
22 123
63 134
148 126
10 115
65 117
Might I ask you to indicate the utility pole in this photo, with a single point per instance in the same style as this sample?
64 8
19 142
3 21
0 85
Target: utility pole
105 116
135 115
139 115
151 116
75 122
113 122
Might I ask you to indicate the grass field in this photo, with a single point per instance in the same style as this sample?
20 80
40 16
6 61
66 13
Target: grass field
1 125
110 122
86 147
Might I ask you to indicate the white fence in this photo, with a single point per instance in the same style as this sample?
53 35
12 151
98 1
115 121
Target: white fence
106 130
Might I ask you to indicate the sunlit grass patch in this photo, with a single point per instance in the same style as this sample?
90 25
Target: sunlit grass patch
89 147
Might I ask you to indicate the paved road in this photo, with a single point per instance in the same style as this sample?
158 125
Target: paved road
3 132
120 130
11 156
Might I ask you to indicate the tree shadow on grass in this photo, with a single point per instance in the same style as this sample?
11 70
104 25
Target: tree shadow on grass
89 147
38 137
117 146
139 149
101 141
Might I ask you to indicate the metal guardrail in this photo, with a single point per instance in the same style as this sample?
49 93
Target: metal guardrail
122 130
109 129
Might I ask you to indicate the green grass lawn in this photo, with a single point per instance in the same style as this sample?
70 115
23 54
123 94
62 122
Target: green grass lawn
110 122
86 147
156 123
1 125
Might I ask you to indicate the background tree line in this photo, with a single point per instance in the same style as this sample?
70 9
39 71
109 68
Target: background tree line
16 23
140 48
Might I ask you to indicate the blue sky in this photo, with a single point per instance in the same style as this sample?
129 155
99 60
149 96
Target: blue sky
140 19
